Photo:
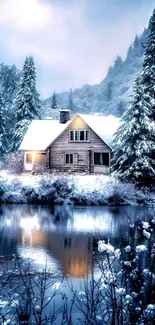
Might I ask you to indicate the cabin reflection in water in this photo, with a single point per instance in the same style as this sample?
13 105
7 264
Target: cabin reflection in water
66 237
72 252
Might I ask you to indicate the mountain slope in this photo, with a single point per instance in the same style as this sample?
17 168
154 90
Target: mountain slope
113 94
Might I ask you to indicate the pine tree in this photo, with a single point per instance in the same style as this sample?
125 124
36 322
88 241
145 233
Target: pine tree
2 127
27 103
70 101
9 78
148 71
109 91
134 152
135 141
54 101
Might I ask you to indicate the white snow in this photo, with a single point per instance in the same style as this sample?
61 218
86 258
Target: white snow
117 253
56 285
146 234
120 292
141 248
127 263
150 307
104 126
82 293
128 249
128 297
102 247
41 134
145 225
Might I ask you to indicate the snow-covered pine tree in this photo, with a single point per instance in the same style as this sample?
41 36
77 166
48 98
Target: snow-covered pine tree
2 127
70 101
54 101
9 78
148 71
134 152
27 103
135 141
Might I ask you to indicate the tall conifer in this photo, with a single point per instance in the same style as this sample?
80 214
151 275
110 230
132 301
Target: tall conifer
2 127
54 101
70 101
134 141
134 145
27 103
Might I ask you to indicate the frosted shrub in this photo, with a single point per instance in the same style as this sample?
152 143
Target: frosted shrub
3 189
13 162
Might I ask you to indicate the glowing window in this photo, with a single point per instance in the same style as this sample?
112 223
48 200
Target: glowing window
29 158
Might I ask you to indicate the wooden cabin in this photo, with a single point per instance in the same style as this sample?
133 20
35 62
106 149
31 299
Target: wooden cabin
80 144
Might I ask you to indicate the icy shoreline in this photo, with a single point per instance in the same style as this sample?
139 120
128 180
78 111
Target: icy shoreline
75 190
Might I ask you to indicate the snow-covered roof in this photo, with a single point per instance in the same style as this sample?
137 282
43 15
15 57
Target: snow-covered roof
41 133
103 126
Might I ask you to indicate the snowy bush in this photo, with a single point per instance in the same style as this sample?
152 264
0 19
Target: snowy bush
13 162
71 190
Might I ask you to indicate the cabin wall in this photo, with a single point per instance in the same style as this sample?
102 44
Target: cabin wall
83 152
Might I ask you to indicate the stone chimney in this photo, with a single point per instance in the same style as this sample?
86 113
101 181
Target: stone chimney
64 115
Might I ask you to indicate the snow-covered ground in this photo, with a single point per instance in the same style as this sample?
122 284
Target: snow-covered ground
83 182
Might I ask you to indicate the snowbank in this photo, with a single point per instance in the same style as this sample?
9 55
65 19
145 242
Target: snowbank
77 190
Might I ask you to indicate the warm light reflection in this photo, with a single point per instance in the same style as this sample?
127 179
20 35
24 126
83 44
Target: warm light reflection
30 223
78 269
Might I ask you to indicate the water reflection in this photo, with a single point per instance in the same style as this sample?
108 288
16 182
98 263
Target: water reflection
66 237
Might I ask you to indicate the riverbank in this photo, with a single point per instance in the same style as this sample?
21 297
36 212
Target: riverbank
71 190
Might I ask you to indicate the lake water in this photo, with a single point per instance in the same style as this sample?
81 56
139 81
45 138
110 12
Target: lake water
65 237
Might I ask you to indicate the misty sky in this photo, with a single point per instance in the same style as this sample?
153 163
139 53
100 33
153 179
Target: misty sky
73 41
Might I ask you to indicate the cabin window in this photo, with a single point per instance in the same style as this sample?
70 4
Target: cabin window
101 158
69 158
28 158
87 135
71 135
76 135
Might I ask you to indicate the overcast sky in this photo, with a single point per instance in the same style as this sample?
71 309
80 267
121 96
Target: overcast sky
73 41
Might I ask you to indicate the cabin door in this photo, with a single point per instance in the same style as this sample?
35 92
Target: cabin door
28 161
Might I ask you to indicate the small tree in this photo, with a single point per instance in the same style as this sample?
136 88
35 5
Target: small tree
70 100
27 103
54 101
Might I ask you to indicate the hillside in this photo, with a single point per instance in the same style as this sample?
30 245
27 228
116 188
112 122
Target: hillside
113 94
